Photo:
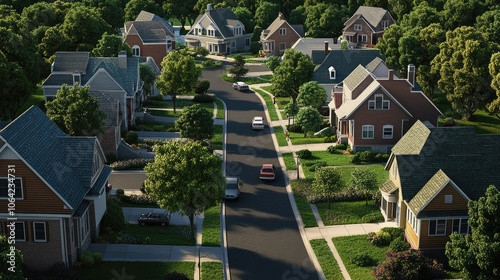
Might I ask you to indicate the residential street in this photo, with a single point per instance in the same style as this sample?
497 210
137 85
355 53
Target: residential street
263 239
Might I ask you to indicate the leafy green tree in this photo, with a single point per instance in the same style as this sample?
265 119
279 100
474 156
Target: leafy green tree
272 62
245 16
327 182
195 122
461 64
110 45
399 8
13 88
148 76
182 10
75 111
266 13
494 67
458 13
477 254
111 11
185 177
430 38
309 119
238 70
389 46
295 69
179 74
322 20
39 14
53 41
291 109
8 253
364 179
312 94
489 24
134 8
297 15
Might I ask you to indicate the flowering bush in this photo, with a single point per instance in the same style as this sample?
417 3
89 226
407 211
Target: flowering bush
411 264
131 163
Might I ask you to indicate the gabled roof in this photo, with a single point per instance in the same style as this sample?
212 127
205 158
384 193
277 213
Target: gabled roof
63 162
222 19
388 186
471 160
344 62
372 15
147 16
357 75
374 64
150 31
307 45
277 24
70 62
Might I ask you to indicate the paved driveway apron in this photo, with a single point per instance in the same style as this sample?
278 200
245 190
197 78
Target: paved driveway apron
262 233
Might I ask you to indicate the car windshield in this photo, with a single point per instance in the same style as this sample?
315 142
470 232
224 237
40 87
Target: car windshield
231 186
267 170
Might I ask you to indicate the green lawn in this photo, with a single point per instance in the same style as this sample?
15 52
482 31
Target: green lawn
136 270
299 139
289 160
211 227
157 126
352 212
280 136
211 271
329 265
349 246
305 210
220 109
269 103
218 137
382 174
247 80
151 234
165 113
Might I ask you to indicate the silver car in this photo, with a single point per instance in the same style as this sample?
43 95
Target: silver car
233 186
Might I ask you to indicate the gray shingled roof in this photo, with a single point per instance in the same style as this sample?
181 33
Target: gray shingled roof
71 62
374 64
64 162
344 62
278 23
147 16
467 158
152 31
373 15
125 77
221 18
428 191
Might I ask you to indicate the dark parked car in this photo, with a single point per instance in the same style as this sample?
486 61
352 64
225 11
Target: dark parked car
154 219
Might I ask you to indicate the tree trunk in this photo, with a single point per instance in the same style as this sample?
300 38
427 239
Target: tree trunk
191 223
174 99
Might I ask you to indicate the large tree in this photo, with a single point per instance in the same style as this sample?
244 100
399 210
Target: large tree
295 70
312 94
308 119
458 13
322 20
327 182
134 7
76 111
461 64
430 38
195 122
266 13
185 177
238 70
110 45
148 76
182 10
494 67
110 10
246 17
477 254
179 74
364 179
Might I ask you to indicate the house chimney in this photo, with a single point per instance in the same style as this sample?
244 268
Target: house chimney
411 74
390 74
281 16
326 48
209 7
122 59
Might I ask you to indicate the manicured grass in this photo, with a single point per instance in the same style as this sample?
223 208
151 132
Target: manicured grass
247 80
299 139
211 271
280 136
266 77
220 109
244 55
382 174
269 103
323 157
329 265
482 122
268 89
352 212
290 163
211 227
136 270
218 137
305 210
157 126
165 113
349 246
282 102
151 234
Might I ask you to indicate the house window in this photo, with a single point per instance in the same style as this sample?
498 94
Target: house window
379 103
237 31
367 131
387 132
6 190
437 227
461 226
20 231
333 73
358 27
385 24
448 198
39 232
362 38
282 31
233 44
282 47
136 50
247 42
211 32
169 45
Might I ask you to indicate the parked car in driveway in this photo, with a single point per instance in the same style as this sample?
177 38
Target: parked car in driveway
233 187
151 218
258 123
267 172
241 86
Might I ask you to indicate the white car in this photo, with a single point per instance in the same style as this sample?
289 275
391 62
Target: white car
233 186
241 86
258 123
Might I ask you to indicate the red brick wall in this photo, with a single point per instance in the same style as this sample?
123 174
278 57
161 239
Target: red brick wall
289 38
158 52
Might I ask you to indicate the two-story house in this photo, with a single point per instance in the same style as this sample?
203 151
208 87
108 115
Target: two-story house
149 35
115 79
218 31
280 35
374 108
433 173
60 189
366 26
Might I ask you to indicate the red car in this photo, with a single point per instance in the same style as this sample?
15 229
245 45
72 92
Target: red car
267 172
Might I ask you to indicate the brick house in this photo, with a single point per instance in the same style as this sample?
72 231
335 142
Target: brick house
366 26
433 173
279 36
218 31
373 108
149 35
60 189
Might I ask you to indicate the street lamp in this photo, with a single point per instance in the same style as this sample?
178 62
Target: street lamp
297 163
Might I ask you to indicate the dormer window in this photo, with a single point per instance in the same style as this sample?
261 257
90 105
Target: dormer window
358 27
77 78
385 24
198 30
237 31
211 31
282 31
136 50
333 73
378 103
97 163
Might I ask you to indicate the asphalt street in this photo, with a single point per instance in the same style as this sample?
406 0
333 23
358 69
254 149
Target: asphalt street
262 234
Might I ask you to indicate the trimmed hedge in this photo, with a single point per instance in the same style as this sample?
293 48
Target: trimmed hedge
135 163
203 98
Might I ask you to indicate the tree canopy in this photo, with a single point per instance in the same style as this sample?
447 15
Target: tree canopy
365 180
195 122
110 45
327 182
238 70
312 94
309 119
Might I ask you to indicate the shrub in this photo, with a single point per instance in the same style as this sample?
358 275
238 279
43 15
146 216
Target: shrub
341 146
331 150
120 192
131 137
399 245
97 257
366 156
203 98
356 159
379 239
381 157
304 153
176 276
394 232
208 63
295 128
113 217
202 86
330 139
410 264
362 259
310 134
87 259
372 218
136 163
